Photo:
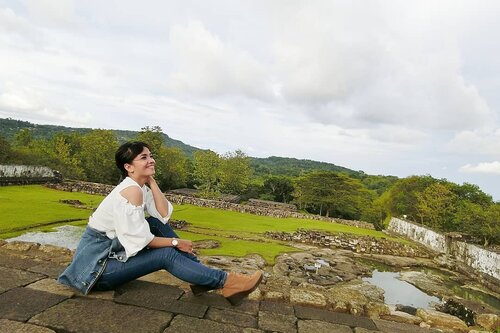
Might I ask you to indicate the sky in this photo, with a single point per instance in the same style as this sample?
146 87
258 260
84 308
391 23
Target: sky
388 87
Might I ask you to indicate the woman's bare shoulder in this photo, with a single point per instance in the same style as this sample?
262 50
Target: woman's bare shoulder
133 194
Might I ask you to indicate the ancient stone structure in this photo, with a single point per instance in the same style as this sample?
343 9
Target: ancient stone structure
102 189
280 213
27 174
271 205
478 258
83 187
359 244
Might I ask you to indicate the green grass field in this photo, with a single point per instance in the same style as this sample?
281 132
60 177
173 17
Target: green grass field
34 207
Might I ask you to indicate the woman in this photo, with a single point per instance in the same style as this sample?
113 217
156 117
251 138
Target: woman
120 244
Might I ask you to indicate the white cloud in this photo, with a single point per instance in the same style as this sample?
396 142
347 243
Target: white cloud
485 142
207 66
24 103
357 66
486 167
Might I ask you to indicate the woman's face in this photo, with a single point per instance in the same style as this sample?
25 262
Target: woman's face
143 165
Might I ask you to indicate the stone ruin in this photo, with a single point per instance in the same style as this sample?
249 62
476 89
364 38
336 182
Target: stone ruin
271 205
27 174
358 244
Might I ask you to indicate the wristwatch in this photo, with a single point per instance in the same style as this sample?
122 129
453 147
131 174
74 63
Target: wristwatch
175 242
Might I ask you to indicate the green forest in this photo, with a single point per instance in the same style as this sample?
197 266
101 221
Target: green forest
315 187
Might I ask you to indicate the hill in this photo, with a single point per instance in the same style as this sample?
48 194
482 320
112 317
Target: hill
274 165
9 127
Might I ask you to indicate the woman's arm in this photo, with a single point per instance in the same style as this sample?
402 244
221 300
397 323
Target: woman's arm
161 202
184 245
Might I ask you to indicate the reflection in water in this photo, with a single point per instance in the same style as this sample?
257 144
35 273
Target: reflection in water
66 236
400 292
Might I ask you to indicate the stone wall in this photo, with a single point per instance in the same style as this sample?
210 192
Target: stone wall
359 244
27 174
482 260
271 204
179 199
83 187
102 189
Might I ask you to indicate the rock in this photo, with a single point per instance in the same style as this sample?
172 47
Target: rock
423 324
53 287
274 295
269 321
489 321
306 326
10 326
307 297
457 309
406 308
255 295
20 246
187 324
205 244
375 310
439 319
402 317
431 284
353 296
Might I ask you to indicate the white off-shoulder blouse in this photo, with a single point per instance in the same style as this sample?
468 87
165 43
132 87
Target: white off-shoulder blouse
119 218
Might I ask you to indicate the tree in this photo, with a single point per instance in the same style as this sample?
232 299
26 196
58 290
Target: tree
153 136
235 172
97 155
279 188
402 196
336 194
437 206
206 173
5 151
173 164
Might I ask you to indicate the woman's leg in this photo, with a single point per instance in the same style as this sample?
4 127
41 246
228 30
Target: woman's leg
164 230
151 260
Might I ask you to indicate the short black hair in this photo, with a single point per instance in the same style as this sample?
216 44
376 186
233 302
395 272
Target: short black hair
126 154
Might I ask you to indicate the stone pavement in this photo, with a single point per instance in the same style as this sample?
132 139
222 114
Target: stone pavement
32 301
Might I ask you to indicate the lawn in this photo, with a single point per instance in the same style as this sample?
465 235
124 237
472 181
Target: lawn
35 207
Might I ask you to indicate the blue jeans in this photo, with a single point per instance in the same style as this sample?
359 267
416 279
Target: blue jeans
182 265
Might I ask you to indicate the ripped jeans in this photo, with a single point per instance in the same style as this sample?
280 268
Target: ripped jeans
182 265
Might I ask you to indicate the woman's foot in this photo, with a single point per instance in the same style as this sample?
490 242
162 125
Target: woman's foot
238 286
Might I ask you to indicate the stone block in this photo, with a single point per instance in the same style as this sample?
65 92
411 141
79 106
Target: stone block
392 327
11 278
375 310
317 326
269 321
18 246
158 297
23 303
402 317
440 319
10 326
364 330
187 324
489 321
303 312
274 295
53 287
52 270
231 317
218 301
85 315
11 260
107 295
307 297
277 307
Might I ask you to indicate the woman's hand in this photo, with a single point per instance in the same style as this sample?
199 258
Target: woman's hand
185 245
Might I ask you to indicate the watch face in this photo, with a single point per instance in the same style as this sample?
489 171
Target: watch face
175 242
